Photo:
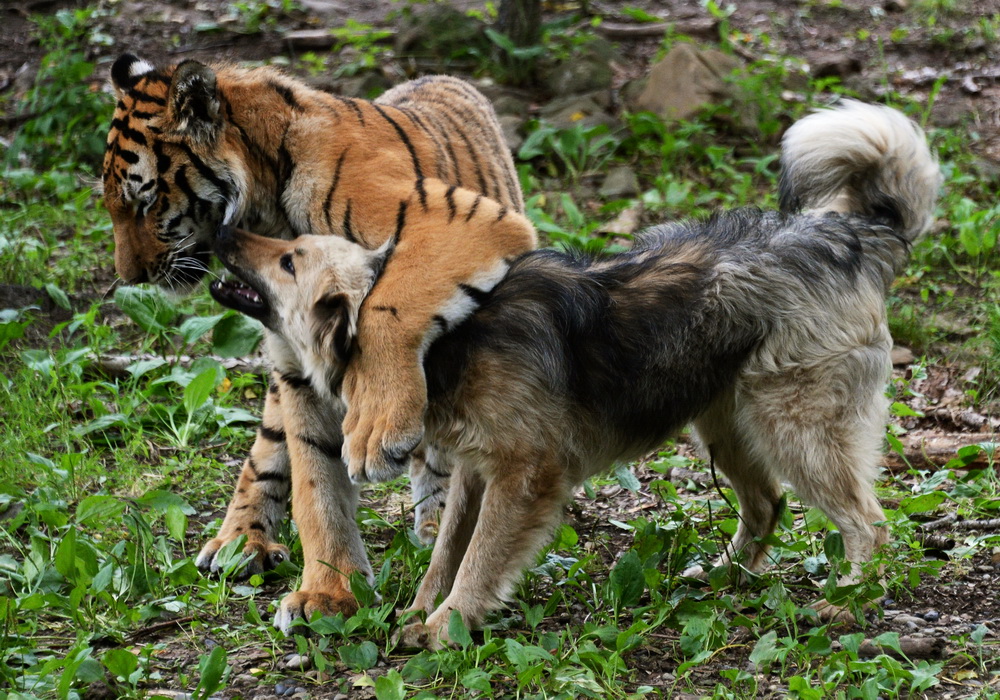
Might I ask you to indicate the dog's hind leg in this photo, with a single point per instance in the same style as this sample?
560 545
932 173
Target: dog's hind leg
758 492
521 506
822 429
430 470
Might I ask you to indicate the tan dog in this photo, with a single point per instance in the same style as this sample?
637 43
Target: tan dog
766 330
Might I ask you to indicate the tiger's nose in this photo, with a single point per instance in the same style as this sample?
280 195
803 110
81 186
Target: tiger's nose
143 276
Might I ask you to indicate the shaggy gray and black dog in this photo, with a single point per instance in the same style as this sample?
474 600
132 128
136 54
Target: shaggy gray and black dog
765 330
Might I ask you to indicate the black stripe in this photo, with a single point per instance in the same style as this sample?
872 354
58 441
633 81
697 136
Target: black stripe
256 526
128 132
331 450
449 197
206 172
459 128
477 295
272 434
348 230
163 161
295 381
435 472
128 156
279 498
415 118
353 104
422 193
272 388
271 476
252 464
503 213
452 156
286 94
400 221
140 96
390 309
333 188
406 142
472 209
139 114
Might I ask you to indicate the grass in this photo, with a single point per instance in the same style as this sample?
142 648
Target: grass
109 483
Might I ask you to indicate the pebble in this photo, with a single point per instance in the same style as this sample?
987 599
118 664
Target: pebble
911 619
932 616
339 696
298 662
888 602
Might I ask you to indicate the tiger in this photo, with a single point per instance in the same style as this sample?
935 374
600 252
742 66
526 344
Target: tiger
194 147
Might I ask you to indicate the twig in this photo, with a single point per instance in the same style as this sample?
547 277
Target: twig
991 524
940 523
912 648
150 630
116 365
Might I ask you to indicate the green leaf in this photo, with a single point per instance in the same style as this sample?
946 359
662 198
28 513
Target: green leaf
236 335
457 630
390 686
627 479
196 393
922 503
627 581
150 308
58 297
195 327
765 651
121 663
161 501
98 507
212 667
65 558
176 522
833 546
477 679
359 657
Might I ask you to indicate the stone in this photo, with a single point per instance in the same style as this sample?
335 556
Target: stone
310 39
932 616
587 69
626 222
569 111
911 620
901 356
510 125
686 80
437 31
619 183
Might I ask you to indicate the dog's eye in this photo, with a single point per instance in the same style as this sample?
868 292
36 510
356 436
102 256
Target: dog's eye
287 265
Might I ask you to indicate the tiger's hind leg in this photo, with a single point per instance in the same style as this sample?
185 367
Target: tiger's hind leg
430 472
260 502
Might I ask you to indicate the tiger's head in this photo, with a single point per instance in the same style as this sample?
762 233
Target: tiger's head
168 182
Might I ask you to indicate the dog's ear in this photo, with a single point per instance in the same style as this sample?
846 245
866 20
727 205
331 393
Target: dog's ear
378 258
333 325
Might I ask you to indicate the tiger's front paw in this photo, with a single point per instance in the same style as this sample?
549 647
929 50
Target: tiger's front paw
381 429
302 605
262 555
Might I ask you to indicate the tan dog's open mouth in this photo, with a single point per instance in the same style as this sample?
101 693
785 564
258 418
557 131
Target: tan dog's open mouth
239 296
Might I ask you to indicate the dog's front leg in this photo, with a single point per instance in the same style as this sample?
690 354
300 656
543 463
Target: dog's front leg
324 502
521 506
260 502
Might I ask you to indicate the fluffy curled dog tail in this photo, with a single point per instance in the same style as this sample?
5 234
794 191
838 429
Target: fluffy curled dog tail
861 159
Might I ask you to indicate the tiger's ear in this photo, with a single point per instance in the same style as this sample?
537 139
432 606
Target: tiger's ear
193 102
127 69
334 326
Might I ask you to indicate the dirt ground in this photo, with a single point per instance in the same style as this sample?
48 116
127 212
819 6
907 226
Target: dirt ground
828 37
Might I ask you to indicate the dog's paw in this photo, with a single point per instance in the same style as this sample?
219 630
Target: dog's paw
302 605
834 614
424 635
261 553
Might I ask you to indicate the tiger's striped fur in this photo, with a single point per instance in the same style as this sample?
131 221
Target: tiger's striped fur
193 147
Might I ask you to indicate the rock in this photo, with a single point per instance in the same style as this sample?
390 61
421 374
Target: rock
505 103
910 620
626 222
576 109
685 80
619 183
438 30
298 662
510 125
367 85
310 39
901 356
588 69
835 66
932 616
326 7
